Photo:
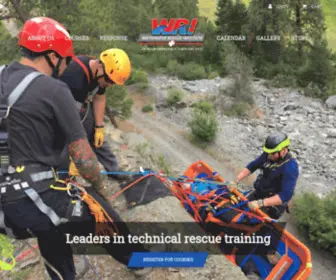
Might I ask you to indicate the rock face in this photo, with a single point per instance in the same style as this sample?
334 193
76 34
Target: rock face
309 123
331 102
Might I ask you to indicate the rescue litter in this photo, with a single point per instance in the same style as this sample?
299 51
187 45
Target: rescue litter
171 239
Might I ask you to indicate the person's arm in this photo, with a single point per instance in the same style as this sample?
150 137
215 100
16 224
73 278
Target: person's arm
86 162
251 167
289 180
273 201
99 104
242 175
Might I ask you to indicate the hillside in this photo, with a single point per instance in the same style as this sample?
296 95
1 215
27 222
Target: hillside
208 9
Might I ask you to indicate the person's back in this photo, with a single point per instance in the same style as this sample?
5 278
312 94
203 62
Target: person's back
38 112
38 120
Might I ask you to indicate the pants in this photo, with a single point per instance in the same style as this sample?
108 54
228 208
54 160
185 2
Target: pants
23 214
103 153
275 212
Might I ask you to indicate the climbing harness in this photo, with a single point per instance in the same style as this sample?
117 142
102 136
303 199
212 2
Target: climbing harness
20 181
88 101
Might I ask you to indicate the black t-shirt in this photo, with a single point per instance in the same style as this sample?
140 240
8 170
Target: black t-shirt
75 77
42 121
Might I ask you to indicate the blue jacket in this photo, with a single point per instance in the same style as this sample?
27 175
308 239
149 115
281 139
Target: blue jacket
276 177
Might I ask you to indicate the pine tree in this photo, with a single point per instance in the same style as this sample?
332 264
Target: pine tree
176 8
230 19
308 23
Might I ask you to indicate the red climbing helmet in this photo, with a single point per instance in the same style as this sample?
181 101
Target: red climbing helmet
42 34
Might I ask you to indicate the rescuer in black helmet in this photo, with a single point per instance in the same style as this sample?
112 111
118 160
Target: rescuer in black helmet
275 185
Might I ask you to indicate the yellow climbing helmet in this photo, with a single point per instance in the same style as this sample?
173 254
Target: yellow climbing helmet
117 65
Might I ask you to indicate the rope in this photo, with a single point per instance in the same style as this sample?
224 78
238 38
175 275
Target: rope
92 267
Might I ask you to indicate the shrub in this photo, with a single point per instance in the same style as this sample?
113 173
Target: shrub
137 76
126 109
313 90
174 96
315 217
142 86
213 75
116 98
240 69
204 106
173 67
204 127
238 109
191 71
147 108
283 80
149 63
6 247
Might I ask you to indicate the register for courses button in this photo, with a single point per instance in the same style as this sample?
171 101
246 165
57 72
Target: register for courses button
154 259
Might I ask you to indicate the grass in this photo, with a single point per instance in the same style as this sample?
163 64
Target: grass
208 8
329 8
156 161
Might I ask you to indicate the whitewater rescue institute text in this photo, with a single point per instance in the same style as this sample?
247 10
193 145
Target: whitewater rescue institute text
169 239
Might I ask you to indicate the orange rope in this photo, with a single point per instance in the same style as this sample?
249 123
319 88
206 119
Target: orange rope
129 186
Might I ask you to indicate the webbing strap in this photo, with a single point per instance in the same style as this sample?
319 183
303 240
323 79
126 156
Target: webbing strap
2 67
20 88
81 64
40 176
35 197
9 231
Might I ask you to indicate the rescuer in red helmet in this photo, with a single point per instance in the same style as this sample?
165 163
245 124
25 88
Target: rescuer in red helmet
38 119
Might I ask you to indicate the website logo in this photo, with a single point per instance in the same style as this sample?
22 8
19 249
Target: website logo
174 26
173 32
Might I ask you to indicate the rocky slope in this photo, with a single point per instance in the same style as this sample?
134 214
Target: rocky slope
309 122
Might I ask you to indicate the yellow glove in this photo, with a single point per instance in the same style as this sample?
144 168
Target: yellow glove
234 200
99 136
73 171
255 204
232 186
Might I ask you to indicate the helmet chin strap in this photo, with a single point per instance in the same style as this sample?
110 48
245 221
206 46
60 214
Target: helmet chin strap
96 75
55 69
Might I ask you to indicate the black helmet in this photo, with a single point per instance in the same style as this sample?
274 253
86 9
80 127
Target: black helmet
275 142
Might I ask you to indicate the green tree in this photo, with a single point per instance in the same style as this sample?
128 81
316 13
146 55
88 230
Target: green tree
308 22
176 8
132 17
230 19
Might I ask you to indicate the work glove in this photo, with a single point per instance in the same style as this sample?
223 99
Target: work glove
232 186
99 136
234 200
255 204
73 171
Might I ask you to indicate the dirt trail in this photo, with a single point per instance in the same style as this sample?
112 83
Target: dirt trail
168 139
171 142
